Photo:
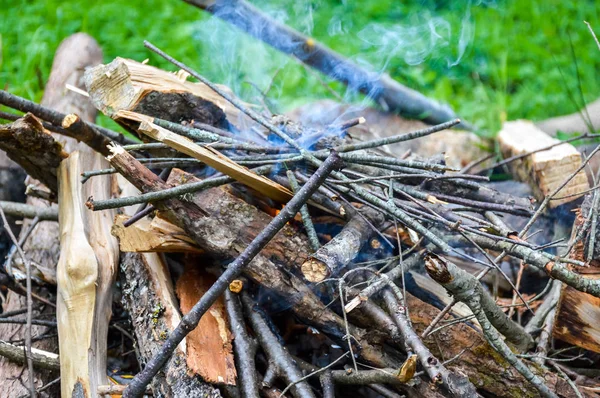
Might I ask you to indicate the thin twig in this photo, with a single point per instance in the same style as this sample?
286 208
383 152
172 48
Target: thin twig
22 239
29 303
306 220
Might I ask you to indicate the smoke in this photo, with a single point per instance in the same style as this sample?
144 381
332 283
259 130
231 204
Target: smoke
249 67
422 37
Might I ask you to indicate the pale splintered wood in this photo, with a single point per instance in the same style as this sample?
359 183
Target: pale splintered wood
545 170
73 56
209 156
156 235
85 273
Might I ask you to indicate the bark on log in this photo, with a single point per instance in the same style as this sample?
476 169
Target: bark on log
577 319
148 296
484 367
209 346
73 55
31 146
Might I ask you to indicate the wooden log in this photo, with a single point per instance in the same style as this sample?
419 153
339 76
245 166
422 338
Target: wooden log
41 359
209 346
149 296
545 170
85 272
31 146
577 319
73 55
150 300
209 156
573 123
128 85
484 367
156 235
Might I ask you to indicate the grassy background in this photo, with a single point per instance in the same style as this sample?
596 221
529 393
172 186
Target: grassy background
514 57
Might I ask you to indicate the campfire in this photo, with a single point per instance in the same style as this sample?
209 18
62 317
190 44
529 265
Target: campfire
331 251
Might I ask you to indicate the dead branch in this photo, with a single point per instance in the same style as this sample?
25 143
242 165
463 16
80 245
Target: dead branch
462 283
244 347
41 359
56 118
280 358
23 210
457 385
444 273
343 248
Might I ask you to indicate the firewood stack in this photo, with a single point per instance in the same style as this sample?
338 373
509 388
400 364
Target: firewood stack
263 256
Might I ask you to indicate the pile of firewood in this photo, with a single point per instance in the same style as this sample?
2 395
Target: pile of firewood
220 250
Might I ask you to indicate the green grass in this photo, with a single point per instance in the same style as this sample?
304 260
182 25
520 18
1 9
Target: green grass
511 66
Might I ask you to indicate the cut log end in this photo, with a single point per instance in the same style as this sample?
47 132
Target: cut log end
544 170
314 270
70 120
437 269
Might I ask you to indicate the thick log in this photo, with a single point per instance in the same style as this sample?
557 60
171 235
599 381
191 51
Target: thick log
577 319
42 248
545 170
131 86
484 367
85 273
209 346
149 297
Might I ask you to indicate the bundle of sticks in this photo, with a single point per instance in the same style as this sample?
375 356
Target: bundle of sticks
259 256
